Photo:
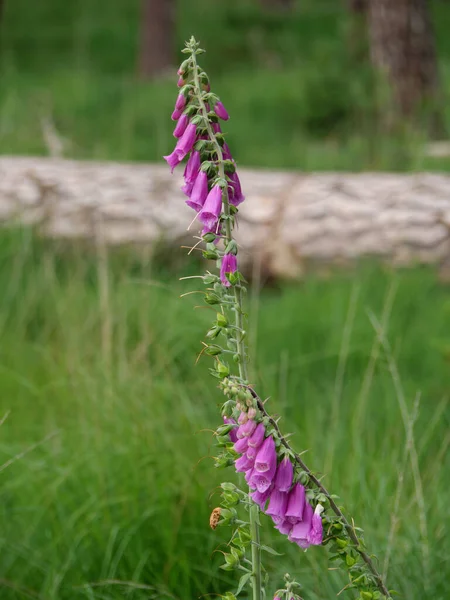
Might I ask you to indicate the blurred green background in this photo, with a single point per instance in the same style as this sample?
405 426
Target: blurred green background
106 477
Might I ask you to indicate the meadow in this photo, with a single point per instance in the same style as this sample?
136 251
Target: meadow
107 481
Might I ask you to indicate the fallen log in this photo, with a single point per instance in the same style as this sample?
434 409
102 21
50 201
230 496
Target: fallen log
288 219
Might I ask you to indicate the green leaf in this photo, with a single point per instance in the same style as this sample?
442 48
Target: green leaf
271 551
242 581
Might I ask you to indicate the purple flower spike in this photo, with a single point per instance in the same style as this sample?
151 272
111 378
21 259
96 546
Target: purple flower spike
261 499
186 141
285 474
243 464
296 503
221 111
277 506
181 102
266 459
235 195
212 208
241 445
232 433
284 527
257 436
299 532
246 429
315 535
173 159
181 126
199 192
229 265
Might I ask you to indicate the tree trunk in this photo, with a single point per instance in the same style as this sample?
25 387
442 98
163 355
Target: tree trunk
156 45
402 46
358 6
288 220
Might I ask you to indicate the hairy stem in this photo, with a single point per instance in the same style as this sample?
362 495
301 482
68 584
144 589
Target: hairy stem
239 322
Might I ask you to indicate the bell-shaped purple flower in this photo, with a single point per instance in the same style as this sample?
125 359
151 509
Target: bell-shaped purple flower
300 531
266 459
176 114
235 195
212 208
284 527
248 478
243 464
190 172
226 152
296 503
173 159
180 127
241 445
221 111
216 127
261 499
243 418
228 265
186 141
284 476
199 192
315 535
232 434
277 506
257 436
181 102
246 429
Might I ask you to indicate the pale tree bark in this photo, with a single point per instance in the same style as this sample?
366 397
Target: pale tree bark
287 222
156 38
402 46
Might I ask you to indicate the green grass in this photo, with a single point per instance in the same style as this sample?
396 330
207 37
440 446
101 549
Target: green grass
116 503
297 96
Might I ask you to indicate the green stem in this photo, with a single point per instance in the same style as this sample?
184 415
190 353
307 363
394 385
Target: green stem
239 321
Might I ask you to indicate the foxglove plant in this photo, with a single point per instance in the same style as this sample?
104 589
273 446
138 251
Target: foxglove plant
280 484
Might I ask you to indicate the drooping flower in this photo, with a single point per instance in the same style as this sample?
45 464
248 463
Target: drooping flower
216 127
226 152
241 445
235 196
246 429
266 458
284 476
176 114
186 141
243 418
211 210
243 464
232 434
199 192
260 498
248 478
265 466
300 531
284 527
191 171
184 145
296 503
173 159
180 81
228 265
315 535
180 102
180 127
257 436
221 111
277 506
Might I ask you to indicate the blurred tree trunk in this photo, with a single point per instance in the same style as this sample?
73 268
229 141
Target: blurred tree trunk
402 46
156 45
358 6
